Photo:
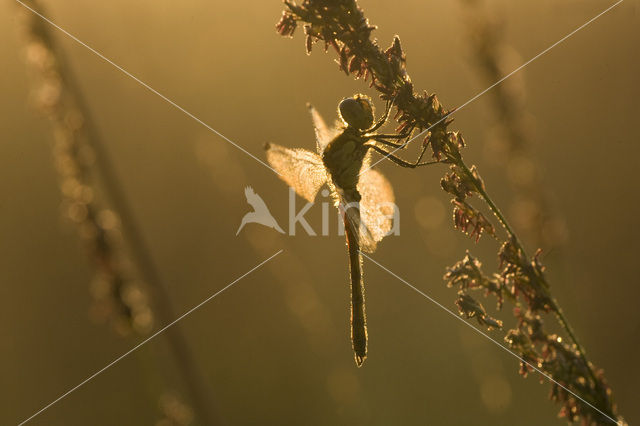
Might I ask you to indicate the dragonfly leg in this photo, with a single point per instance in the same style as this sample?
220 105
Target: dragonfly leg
391 136
384 117
399 161
381 137
383 141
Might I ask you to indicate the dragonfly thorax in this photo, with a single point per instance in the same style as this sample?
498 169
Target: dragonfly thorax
343 158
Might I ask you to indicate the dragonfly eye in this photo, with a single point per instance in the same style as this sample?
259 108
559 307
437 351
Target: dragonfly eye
357 112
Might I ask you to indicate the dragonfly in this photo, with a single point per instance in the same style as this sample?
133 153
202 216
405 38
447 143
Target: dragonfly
363 196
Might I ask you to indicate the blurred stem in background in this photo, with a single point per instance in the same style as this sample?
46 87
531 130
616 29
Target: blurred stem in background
79 153
577 385
509 143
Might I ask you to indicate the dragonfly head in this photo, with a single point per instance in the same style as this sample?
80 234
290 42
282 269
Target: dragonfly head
356 112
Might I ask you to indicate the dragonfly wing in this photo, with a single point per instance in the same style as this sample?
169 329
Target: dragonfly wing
301 169
377 203
351 208
324 133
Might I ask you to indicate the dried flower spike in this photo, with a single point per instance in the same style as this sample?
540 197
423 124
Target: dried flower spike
342 24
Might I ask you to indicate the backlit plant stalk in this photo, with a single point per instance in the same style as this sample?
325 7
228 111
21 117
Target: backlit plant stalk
341 25
531 207
79 154
119 299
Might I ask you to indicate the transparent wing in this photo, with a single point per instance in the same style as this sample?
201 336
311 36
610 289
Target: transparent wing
377 203
354 221
300 169
324 134
371 218
350 208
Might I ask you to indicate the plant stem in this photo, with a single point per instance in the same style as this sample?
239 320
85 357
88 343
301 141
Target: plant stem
485 197
178 344
516 241
343 25
140 253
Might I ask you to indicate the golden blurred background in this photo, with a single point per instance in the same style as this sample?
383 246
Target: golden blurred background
274 348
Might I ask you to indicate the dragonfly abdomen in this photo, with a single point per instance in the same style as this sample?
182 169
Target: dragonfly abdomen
358 315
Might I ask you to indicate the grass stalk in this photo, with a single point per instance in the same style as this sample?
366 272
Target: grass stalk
342 25
59 98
